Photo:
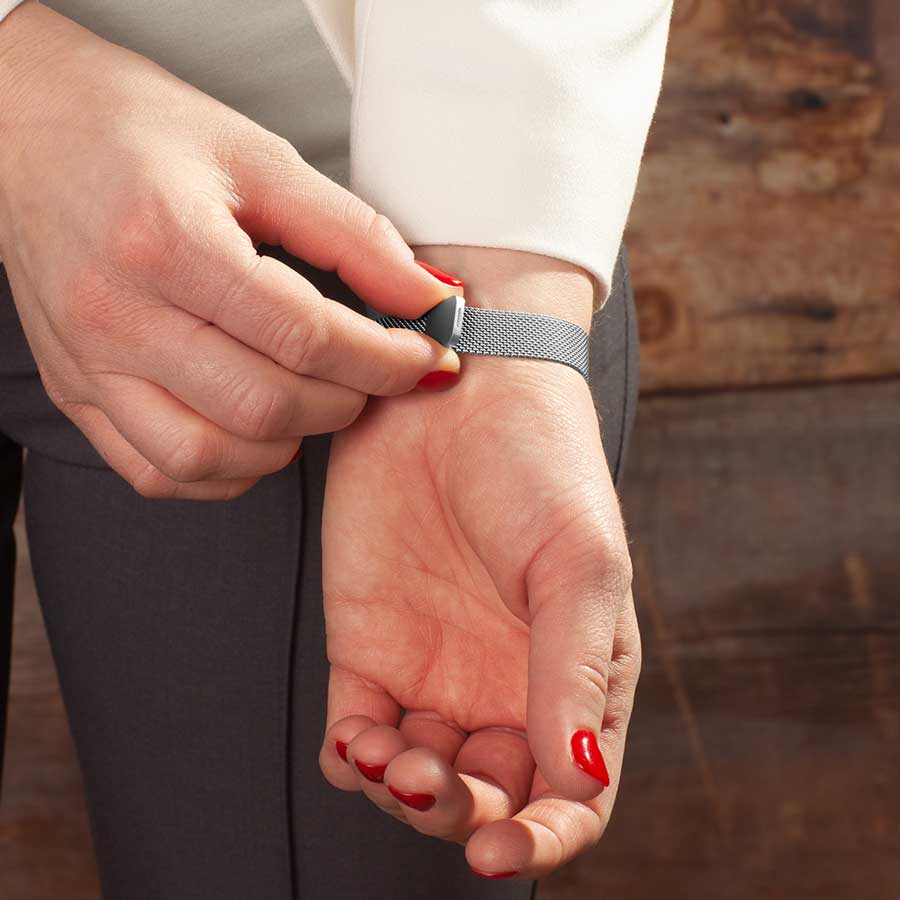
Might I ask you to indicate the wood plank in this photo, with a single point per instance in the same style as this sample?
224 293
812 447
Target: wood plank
765 237
763 752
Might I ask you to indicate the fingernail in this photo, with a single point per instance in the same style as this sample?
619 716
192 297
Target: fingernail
421 802
588 756
440 274
373 773
493 874
438 381
341 749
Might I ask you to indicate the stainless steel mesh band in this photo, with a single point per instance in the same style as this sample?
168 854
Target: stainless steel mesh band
501 332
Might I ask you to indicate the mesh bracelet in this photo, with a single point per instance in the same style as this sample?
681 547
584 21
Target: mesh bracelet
498 332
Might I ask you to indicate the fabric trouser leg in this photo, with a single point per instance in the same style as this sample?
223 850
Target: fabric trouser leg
10 480
190 644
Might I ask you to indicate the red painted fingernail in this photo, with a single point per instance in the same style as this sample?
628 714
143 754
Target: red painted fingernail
373 773
438 381
493 874
440 274
421 802
588 756
341 749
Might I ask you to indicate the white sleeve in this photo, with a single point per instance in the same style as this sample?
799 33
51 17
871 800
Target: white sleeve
505 123
7 6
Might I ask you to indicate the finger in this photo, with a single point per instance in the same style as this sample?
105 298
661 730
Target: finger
142 475
333 760
281 314
552 830
369 755
576 588
176 440
354 705
242 391
546 834
263 303
451 802
427 728
290 204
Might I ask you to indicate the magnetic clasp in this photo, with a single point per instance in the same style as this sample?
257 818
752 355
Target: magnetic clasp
444 322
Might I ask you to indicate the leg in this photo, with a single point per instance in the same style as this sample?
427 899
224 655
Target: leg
171 626
10 478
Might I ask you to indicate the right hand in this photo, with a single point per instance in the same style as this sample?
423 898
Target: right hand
130 206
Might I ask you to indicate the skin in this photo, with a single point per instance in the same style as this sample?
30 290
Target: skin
477 576
130 204
480 581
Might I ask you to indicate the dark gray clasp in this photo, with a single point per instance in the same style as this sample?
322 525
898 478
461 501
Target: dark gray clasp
444 322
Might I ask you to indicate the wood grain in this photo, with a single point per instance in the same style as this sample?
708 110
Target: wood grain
765 236
762 757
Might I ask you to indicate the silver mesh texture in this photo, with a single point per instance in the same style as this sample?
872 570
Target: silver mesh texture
501 332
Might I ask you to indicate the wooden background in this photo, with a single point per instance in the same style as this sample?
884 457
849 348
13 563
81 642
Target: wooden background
762 491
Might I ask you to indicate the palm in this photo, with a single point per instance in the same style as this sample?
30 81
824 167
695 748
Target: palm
434 506
406 577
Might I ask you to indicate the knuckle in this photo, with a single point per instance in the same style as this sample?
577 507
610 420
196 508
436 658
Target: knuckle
140 241
367 226
380 230
151 484
637 661
263 413
241 269
283 153
190 458
231 490
388 381
618 569
300 344
355 213
59 393
89 304
596 674
351 411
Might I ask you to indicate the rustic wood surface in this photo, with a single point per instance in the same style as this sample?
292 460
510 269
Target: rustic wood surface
765 237
763 754
762 761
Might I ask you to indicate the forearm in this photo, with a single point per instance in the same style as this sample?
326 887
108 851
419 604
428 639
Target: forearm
514 279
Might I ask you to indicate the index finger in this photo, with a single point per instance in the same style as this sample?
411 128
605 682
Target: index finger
217 275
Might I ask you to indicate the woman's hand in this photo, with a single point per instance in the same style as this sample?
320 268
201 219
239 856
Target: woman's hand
130 204
477 583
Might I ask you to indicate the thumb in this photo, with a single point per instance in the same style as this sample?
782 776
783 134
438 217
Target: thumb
288 203
575 592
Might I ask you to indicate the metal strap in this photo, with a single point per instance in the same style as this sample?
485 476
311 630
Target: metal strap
501 332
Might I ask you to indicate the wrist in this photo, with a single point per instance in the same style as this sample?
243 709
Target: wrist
28 37
499 278
33 38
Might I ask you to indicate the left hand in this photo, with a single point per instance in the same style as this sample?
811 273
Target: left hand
479 612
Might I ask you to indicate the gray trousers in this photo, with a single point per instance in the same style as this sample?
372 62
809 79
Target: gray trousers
190 644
